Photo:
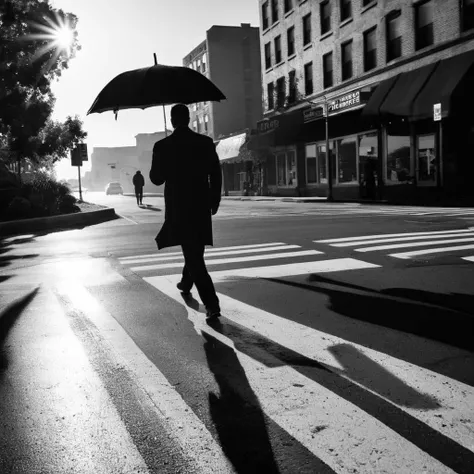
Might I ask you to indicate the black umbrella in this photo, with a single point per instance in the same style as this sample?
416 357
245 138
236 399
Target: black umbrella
155 85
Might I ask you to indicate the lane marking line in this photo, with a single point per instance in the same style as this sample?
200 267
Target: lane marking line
399 239
469 259
413 244
381 236
415 253
208 250
213 254
223 261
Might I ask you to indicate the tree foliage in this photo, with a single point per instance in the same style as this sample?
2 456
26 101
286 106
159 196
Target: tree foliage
30 60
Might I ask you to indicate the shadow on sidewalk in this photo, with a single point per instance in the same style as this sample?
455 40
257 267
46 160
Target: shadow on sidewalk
8 317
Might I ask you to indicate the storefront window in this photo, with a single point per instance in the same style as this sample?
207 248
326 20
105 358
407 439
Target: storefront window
368 156
286 169
322 168
311 176
281 168
347 160
398 159
426 159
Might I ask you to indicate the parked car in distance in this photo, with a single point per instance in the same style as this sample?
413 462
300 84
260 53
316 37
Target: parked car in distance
114 188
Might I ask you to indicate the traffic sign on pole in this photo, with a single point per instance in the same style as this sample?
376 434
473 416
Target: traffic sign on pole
436 112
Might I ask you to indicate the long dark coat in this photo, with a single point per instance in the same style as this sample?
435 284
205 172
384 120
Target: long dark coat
188 164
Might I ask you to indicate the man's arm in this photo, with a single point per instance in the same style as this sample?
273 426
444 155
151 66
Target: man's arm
215 178
157 171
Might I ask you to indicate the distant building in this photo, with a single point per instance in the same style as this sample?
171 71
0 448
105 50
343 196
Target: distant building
229 57
121 163
379 67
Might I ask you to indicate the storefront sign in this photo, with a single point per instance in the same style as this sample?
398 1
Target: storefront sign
436 112
345 102
313 113
267 125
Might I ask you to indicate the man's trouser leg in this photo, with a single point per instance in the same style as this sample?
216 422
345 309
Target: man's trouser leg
137 195
141 195
196 267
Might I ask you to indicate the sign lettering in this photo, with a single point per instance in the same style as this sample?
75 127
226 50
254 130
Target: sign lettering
437 112
267 125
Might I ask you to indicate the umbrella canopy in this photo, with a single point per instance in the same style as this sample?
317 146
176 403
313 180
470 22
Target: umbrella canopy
155 85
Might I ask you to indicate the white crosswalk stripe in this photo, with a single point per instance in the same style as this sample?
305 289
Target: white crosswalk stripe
435 242
345 424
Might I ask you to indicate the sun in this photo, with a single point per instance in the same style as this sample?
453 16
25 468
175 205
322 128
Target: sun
58 34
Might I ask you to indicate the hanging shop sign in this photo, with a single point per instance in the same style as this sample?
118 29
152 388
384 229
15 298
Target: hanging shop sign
345 102
313 113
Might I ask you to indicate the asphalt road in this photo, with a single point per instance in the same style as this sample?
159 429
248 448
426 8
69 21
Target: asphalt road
346 344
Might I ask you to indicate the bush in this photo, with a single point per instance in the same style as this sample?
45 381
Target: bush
66 204
19 208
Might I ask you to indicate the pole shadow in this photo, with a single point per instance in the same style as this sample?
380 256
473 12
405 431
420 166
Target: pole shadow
8 317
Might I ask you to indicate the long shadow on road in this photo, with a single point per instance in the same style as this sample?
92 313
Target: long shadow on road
8 317
428 439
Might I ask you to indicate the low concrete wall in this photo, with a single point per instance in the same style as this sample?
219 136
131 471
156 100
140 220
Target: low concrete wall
57 222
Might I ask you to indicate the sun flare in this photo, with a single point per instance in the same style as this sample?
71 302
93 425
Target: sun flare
58 34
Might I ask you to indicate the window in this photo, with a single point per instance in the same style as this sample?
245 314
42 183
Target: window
322 166
274 11
288 5
195 126
308 78
346 9
398 155
368 156
426 159
394 35
325 15
346 60
199 65
311 173
307 29
206 123
270 95
286 169
347 160
204 62
278 49
280 92
265 23
327 70
290 39
424 32
467 12
268 56
292 87
370 49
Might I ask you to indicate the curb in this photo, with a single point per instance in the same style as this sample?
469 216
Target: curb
57 222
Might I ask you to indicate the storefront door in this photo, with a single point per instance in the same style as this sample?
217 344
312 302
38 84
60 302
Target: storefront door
368 165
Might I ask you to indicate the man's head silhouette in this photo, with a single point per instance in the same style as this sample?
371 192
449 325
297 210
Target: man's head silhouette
179 116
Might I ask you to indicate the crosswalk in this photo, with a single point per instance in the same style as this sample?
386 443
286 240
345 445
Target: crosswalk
280 258
346 210
355 408
425 243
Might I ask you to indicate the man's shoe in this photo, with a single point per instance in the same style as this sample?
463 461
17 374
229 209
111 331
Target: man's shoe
186 291
213 312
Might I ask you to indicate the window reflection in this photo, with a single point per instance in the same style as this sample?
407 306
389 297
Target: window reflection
426 156
311 175
347 159
368 156
322 168
398 159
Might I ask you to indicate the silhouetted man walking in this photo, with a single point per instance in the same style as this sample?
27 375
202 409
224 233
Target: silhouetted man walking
138 181
188 163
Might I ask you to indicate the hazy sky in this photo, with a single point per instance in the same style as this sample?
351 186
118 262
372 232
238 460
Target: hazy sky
117 36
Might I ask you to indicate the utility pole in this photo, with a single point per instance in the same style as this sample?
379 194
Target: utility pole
328 152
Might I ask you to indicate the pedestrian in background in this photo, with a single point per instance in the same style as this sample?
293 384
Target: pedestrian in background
188 164
138 182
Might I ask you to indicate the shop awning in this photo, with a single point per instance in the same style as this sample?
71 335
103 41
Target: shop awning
442 85
372 107
401 97
229 148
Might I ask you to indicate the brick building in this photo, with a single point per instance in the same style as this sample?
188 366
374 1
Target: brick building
229 57
378 67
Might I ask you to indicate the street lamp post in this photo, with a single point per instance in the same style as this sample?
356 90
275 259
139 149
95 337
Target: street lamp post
328 153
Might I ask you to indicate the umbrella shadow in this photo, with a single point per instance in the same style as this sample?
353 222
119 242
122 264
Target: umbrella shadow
8 317
426 438
236 412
